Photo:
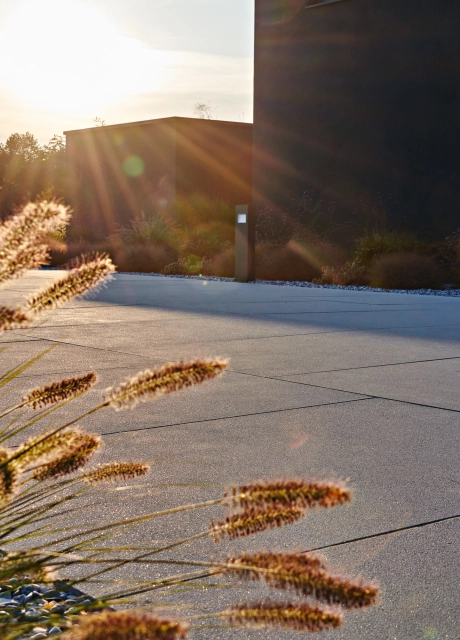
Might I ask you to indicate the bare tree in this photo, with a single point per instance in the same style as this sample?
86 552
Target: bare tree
204 111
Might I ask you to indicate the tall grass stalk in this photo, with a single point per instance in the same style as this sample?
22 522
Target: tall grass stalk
51 476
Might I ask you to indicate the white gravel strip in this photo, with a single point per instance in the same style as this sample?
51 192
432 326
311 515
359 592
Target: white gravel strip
311 285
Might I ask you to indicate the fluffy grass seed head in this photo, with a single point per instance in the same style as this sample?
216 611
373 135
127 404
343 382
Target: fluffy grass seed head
70 458
171 377
12 319
47 446
302 493
254 520
33 220
125 625
283 615
115 471
304 574
58 391
14 264
20 244
9 477
89 272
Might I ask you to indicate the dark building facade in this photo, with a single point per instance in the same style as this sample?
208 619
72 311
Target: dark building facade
356 98
120 170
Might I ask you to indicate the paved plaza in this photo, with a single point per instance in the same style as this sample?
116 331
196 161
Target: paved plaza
321 383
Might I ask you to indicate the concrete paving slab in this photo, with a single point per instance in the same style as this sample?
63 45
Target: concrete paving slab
434 383
277 413
413 568
61 359
401 461
228 397
319 352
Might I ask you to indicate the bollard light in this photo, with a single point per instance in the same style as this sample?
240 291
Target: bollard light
244 244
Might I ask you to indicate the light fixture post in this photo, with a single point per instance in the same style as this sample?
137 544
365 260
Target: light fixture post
244 243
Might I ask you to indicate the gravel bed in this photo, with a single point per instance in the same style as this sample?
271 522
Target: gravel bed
310 285
42 605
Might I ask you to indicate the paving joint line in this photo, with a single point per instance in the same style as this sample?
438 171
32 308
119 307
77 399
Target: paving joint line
374 366
288 335
368 395
242 415
409 527
138 355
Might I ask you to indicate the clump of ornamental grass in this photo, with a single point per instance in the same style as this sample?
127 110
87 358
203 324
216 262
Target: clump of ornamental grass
306 575
51 475
21 245
284 615
129 625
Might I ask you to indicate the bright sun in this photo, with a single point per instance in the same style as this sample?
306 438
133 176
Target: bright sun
64 56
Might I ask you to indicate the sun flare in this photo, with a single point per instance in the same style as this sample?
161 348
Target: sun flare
65 56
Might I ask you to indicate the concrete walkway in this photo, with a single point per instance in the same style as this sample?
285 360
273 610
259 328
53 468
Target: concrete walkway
322 383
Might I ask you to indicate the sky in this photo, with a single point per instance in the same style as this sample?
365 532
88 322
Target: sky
66 62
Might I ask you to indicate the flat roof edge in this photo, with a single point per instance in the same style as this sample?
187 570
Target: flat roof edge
156 120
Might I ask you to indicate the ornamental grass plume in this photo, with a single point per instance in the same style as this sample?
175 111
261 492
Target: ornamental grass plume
20 245
114 471
31 222
49 446
34 516
70 459
125 625
87 273
9 477
304 574
55 392
302 493
28 256
254 520
283 615
12 318
162 380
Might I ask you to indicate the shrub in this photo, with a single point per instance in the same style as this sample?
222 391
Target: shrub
190 266
447 255
292 261
406 271
223 265
146 230
207 240
350 273
380 243
143 258
307 217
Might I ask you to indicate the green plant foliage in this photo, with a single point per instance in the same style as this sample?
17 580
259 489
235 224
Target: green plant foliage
143 258
289 262
148 229
380 243
28 169
207 240
349 273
